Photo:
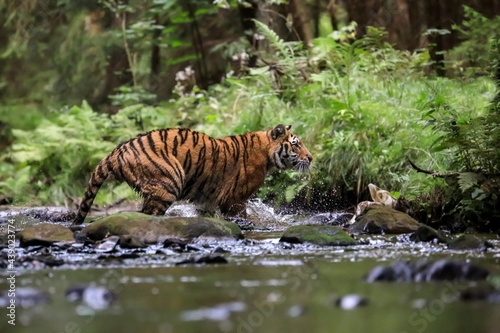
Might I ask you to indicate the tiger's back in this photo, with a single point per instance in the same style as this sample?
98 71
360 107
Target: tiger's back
175 164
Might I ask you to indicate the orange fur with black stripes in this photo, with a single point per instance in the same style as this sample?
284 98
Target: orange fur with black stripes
180 164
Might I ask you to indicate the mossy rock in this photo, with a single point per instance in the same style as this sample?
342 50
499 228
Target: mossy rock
426 233
45 234
378 219
323 235
468 242
152 229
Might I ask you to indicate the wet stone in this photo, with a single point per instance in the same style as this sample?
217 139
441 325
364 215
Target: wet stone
153 229
45 234
130 242
322 235
478 293
295 311
108 244
210 259
244 224
468 242
95 297
426 233
48 261
442 270
352 301
220 250
378 219
24 297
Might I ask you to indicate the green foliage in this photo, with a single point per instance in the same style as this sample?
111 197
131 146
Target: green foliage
476 32
361 106
54 161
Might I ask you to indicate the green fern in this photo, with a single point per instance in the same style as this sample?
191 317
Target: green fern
468 180
272 37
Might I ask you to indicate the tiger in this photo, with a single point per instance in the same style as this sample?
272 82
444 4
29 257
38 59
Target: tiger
169 165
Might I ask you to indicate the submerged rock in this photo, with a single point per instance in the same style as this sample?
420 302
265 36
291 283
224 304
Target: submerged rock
426 233
323 235
378 219
23 297
468 242
352 301
153 229
427 271
45 234
479 293
210 259
95 297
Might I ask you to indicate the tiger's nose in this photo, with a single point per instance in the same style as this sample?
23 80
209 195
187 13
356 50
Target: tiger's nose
310 158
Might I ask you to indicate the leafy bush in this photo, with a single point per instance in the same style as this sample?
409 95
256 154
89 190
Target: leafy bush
362 107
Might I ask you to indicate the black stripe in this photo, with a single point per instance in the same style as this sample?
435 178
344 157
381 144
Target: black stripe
136 153
235 186
201 154
162 135
152 143
236 148
196 138
226 146
187 162
252 137
125 163
174 149
163 172
184 136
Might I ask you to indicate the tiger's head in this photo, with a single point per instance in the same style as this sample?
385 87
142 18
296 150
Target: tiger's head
287 151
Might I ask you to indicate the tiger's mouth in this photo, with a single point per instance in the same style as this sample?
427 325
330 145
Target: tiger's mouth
292 162
301 165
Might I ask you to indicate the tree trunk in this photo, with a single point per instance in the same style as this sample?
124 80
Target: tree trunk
274 16
301 21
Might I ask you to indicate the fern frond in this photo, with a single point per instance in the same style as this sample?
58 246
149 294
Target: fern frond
468 180
272 37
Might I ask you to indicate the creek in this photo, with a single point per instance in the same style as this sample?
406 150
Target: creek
265 286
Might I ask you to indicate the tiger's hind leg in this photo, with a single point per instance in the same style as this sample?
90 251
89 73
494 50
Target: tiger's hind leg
158 196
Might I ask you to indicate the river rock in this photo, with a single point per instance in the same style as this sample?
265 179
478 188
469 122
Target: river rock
131 242
24 297
95 297
426 233
351 301
468 242
152 229
427 271
323 235
45 234
378 219
209 259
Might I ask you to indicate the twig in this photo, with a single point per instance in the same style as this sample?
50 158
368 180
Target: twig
433 173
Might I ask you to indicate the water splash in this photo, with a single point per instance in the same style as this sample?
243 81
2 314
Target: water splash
264 216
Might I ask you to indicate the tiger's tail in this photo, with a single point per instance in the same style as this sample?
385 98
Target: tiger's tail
100 174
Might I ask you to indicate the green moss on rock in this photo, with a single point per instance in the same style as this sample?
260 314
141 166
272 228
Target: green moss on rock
468 242
152 229
426 233
45 234
323 235
378 219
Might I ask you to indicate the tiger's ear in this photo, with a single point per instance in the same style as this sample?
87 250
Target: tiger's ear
289 128
278 131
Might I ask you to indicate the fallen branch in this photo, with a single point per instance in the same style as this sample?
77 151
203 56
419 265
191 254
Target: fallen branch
433 173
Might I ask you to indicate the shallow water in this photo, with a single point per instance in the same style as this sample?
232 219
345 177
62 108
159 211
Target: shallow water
266 286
